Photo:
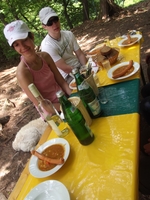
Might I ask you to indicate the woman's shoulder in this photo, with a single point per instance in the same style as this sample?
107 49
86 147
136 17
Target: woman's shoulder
43 54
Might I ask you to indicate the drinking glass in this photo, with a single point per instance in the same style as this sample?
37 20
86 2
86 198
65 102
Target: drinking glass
102 95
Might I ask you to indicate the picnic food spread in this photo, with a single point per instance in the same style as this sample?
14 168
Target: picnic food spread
50 157
123 70
129 40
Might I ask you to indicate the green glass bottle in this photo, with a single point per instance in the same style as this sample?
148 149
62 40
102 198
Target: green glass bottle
87 95
75 120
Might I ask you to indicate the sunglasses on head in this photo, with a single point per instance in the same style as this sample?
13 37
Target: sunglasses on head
51 21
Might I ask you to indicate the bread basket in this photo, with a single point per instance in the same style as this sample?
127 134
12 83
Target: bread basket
112 57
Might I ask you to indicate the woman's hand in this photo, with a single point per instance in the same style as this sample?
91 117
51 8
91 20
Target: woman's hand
147 147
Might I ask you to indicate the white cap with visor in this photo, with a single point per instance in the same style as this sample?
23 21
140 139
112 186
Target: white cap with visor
45 14
16 30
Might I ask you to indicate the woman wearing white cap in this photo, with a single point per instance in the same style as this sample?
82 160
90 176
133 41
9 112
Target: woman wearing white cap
60 44
34 67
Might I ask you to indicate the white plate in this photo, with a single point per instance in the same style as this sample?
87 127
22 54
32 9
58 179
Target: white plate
73 88
138 36
33 164
47 190
110 72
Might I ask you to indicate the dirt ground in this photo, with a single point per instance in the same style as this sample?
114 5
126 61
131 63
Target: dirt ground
14 102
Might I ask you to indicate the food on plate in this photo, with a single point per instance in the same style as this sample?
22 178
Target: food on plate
123 70
50 157
106 50
129 40
73 84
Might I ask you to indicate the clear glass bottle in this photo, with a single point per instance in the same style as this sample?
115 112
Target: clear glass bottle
49 113
75 120
87 95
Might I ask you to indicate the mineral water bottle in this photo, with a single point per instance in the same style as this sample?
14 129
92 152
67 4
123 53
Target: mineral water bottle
87 95
49 113
75 120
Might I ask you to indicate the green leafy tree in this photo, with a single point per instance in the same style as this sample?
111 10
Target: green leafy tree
71 13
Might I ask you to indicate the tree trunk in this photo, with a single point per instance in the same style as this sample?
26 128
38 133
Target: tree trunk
65 4
108 8
85 10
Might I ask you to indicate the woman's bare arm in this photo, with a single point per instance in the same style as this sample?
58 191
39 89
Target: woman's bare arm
25 78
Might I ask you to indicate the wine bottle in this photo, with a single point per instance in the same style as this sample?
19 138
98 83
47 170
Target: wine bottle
75 120
87 95
49 113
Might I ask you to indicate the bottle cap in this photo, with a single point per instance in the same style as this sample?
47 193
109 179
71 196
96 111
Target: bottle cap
75 70
34 90
60 93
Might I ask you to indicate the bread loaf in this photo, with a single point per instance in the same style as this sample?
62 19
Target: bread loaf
105 50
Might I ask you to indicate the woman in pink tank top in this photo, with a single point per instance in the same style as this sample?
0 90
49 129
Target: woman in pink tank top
34 67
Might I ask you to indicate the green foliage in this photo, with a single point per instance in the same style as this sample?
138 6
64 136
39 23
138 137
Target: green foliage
126 3
28 11
131 2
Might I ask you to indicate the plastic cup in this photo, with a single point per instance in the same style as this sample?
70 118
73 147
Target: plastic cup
90 80
102 96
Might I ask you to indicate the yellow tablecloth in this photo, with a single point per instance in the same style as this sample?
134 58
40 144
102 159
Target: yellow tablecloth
105 169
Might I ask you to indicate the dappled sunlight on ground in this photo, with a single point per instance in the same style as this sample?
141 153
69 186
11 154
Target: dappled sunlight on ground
3 170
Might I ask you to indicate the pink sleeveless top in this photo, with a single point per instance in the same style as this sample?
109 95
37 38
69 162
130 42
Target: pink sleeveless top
45 81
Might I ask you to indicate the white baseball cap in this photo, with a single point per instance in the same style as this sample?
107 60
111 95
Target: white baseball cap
16 30
45 14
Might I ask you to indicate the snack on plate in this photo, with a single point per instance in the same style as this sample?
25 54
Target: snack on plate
50 157
123 70
129 40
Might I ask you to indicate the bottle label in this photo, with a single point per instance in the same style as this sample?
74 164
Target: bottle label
72 108
95 107
83 86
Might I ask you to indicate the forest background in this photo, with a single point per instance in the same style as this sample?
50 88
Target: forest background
72 13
